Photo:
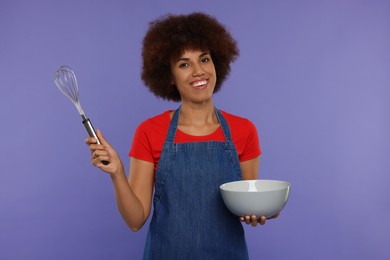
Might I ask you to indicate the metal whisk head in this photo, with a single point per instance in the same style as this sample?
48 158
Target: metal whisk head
66 81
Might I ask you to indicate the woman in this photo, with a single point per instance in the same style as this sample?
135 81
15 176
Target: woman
185 155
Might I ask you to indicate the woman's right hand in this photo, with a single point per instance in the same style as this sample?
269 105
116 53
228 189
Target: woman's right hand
104 152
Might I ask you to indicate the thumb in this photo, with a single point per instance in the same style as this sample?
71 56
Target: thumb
102 140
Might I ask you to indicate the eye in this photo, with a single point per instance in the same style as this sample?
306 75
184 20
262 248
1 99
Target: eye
206 59
183 65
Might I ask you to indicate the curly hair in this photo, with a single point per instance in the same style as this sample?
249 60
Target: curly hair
169 36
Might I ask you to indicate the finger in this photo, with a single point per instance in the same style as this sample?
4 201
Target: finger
102 156
247 219
254 220
99 161
100 153
95 162
262 220
97 148
90 140
93 146
102 140
103 162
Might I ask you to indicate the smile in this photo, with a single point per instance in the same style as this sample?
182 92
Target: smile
200 84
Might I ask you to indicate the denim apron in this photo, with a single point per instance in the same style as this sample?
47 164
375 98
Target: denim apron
190 220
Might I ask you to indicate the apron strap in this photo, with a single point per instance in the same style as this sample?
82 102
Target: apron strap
172 127
224 125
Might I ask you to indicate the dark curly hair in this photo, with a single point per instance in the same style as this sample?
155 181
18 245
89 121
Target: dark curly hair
169 36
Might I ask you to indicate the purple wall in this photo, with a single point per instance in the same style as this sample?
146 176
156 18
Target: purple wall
312 75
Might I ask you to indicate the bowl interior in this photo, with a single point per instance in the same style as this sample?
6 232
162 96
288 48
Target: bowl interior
254 186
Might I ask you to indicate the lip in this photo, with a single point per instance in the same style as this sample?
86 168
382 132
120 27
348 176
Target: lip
200 87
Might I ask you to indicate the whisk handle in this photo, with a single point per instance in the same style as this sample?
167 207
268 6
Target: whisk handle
91 131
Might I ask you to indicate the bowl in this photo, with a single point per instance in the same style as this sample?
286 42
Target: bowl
255 197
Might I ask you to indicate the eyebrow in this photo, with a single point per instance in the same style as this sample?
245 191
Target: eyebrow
187 59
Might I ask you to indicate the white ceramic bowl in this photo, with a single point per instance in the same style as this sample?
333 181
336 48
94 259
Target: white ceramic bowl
255 197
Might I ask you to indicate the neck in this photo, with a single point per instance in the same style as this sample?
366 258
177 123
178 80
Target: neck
197 114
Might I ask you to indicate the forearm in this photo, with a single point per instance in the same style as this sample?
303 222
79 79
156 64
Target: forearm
133 200
250 169
129 205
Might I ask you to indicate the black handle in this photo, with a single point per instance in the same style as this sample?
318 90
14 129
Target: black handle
91 131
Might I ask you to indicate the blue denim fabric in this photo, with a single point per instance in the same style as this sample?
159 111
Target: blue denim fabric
190 220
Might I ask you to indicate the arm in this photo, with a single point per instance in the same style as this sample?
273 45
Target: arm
250 169
133 195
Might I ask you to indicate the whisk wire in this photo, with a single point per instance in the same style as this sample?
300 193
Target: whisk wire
66 82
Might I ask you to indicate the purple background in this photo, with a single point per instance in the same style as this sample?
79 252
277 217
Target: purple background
313 76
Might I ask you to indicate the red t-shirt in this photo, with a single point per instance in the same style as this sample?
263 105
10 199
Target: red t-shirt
150 136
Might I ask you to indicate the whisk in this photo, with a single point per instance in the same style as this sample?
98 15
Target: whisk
66 81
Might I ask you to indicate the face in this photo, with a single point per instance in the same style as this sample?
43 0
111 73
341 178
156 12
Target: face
194 76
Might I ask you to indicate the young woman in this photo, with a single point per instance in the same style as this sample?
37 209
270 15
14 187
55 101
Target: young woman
183 156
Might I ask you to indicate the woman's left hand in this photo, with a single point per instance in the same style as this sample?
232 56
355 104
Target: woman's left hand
254 220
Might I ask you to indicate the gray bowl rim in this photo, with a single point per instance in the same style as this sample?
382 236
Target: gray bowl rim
221 187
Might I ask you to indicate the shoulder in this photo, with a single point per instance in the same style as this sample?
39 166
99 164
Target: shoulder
159 121
241 128
149 137
154 128
238 122
244 136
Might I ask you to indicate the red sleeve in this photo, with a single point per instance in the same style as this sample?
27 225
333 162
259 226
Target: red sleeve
141 148
149 138
244 135
252 144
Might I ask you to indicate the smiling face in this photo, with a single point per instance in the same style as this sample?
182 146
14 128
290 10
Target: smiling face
194 76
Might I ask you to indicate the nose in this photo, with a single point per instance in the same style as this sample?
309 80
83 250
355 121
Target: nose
197 70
